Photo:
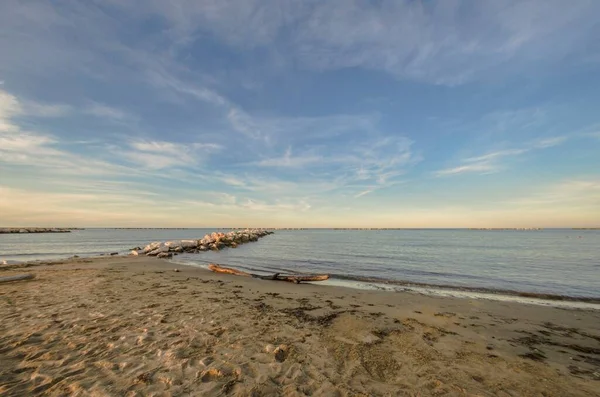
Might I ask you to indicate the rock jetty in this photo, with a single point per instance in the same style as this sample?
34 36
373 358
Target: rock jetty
8 230
214 241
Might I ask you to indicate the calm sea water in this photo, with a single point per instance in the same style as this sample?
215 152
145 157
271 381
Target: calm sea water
559 261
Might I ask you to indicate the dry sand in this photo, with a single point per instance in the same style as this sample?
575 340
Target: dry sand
134 326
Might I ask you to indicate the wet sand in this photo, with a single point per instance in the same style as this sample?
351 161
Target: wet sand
134 326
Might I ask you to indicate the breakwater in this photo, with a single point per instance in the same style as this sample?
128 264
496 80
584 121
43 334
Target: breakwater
10 230
213 241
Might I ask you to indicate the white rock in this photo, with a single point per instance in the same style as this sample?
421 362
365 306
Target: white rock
207 240
189 243
134 253
159 250
269 348
150 247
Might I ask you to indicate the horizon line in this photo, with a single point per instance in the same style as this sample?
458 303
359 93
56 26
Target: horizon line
532 228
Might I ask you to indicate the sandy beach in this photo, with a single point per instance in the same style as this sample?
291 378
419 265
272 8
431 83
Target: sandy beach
134 327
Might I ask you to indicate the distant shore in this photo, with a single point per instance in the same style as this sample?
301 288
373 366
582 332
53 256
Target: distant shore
126 325
65 230
11 230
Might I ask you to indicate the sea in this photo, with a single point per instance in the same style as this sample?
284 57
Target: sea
555 265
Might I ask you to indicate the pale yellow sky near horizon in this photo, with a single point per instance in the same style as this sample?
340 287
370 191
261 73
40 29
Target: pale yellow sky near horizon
20 208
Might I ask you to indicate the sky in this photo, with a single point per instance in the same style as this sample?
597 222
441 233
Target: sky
353 113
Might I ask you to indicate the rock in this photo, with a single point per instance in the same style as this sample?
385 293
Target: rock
150 247
269 348
214 241
114 253
134 253
207 240
189 243
159 250
34 230
370 339
164 255
281 353
176 270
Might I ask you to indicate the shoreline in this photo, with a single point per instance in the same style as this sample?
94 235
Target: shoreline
375 283
389 286
119 325
482 290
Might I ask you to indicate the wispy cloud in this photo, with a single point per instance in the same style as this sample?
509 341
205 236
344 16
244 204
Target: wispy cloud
162 154
446 51
11 107
42 151
231 203
574 192
238 119
108 112
364 193
371 163
287 160
256 205
550 142
495 155
491 162
32 108
481 168
17 145
438 43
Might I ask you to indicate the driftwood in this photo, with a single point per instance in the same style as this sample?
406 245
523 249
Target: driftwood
292 278
227 270
17 278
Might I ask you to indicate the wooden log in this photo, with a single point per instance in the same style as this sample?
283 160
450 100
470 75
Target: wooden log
298 278
20 277
227 270
292 278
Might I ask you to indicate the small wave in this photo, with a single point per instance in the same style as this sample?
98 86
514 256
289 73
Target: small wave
467 294
449 287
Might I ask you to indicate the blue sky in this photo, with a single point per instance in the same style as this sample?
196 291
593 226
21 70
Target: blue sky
300 113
